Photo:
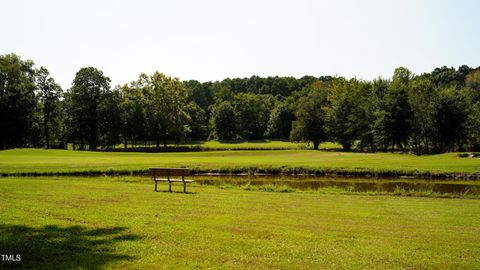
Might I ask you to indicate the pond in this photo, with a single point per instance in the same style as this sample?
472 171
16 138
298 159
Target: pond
350 184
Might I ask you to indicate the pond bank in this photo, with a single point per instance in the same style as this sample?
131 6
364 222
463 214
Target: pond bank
295 171
348 185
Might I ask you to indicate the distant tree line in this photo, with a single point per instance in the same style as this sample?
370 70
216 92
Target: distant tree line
429 113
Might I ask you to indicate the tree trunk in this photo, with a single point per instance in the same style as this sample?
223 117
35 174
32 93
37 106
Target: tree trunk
92 144
45 128
427 148
347 146
164 138
158 141
315 144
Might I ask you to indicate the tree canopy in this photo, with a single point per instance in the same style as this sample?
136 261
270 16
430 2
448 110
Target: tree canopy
427 113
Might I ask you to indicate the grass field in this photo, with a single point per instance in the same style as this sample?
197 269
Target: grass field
243 145
62 161
100 222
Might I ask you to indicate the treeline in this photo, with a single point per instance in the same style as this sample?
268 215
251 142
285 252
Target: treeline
428 113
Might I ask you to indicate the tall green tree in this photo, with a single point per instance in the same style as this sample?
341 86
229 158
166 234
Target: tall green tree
393 119
366 99
472 82
199 122
110 119
473 126
344 117
89 87
50 93
200 100
201 93
280 122
18 102
310 123
450 119
133 104
224 122
252 113
422 100
166 108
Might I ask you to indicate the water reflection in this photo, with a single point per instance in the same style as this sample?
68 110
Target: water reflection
386 185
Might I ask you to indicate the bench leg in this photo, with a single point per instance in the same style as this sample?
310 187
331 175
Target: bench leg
169 186
156 185
184 187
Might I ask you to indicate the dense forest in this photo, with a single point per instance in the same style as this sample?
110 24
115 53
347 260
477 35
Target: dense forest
428 113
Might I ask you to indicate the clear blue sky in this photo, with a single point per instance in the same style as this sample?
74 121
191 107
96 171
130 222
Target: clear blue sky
212 40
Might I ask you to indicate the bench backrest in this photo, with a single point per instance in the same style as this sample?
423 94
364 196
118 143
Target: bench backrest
169 171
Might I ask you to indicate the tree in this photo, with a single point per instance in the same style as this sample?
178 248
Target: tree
366 97
201 93
473 127
221 92
393 119
252 113
223 122
89 87
166 108
18 102
110 120
445 76
422 98
200 99
310 123
50 94
450 118
280 122
344 119
199 123
133 114
473 83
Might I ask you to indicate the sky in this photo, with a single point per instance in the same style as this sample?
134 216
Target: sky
211 40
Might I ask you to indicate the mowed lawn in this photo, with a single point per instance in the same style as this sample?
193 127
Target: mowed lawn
244 145
101 222
54 161
260 144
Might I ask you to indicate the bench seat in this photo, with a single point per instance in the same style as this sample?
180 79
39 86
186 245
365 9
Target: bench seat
168 172
173 180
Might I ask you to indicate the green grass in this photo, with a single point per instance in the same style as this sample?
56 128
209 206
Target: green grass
243 145
343 185
98 223
265 144
31 161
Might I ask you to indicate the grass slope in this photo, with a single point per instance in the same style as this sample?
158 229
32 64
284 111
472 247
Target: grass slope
61 161
98 223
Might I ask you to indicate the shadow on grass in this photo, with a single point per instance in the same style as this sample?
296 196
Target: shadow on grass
53 247
176 191
242 141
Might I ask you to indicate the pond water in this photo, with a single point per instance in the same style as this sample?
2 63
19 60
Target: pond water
382 185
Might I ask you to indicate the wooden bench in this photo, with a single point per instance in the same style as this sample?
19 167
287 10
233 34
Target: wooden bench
167 173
